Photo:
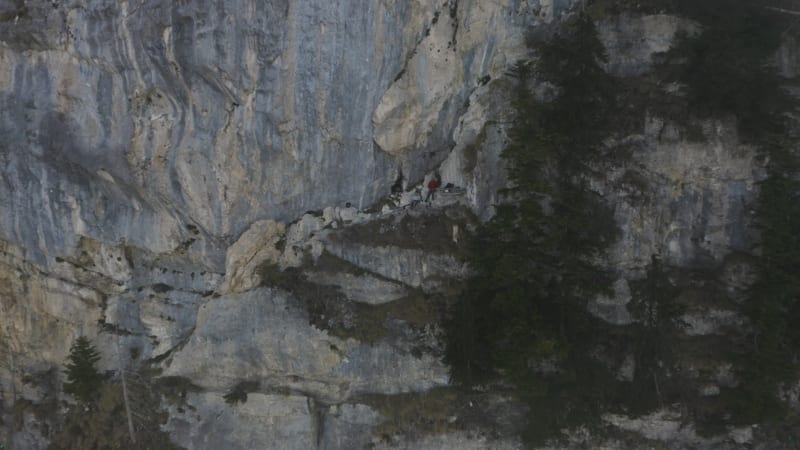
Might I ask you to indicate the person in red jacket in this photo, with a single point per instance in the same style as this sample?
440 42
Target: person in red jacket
433 185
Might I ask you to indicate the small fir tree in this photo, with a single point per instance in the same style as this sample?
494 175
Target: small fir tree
83 378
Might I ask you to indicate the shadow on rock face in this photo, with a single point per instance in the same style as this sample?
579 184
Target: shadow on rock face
62 150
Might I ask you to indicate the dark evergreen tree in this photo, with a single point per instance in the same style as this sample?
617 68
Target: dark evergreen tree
657 316
773 356
536 261
83 378
727 70
580 114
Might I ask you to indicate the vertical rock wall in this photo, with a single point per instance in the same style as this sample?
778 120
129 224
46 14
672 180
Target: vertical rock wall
121 118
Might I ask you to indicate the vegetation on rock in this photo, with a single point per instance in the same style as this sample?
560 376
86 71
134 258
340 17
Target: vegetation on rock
238 394
103 423
728 71
83 378
726 67
657 320
523 317
100 420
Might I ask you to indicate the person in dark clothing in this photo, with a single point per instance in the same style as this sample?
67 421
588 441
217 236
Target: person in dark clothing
397 187
433 185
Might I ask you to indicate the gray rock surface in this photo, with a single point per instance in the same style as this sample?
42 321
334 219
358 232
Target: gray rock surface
263 421
262 336
255 246
348 426
129 120
142 138
687 202
410 266
452 441
613 309
362 288
713 321
632 40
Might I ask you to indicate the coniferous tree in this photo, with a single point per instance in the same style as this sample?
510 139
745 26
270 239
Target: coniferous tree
726 66
536 261
657 316
727 70
83 378
773 306
580 113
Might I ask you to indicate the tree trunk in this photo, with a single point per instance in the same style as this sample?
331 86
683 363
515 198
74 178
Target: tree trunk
125 395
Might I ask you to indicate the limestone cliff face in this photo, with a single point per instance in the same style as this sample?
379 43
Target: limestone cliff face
121 118
172 183
141 139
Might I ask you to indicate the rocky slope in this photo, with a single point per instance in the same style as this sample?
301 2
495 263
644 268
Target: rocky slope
174 178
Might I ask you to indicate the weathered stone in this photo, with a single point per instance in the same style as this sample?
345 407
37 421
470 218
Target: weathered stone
348 426
166 319
412 267
362 288
613 309
275 421
627 369
418 111
298 244
452 441
261 335
710 390
742 435
256 246
661 425
725 376
790 393
475 164
712 321
685 201
632 40
42 315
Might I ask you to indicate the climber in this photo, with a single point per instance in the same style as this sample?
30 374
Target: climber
397 187
348 213
417 196
433 185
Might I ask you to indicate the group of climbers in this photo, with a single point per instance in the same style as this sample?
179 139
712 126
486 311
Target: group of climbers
433 186
338 216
